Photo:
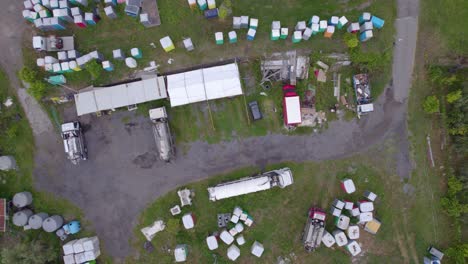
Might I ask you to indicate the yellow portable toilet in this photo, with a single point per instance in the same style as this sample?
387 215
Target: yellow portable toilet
167 43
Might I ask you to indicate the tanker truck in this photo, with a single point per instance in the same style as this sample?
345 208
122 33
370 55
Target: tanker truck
162 133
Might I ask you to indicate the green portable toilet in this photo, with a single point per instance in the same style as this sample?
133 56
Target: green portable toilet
314 20
253 23
202 4
297 36
48 67
323 25
342 22
57 80
65 67
232 37
136 53
315 29
219 38
284 33
275 34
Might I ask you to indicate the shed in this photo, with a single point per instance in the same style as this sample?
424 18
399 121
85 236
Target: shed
226 237
327 239
372 226
292 110
257 249
188 220
233 252
212 242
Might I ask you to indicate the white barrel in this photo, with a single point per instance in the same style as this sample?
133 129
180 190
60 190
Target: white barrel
35 221
52 223
21 218
22 199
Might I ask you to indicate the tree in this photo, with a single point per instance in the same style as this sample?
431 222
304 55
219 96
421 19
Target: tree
431 104
28 75
38 89
458 253
94 68
34 252
351 40
454 96
453 207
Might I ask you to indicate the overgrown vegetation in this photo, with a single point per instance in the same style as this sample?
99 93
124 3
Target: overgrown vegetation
431 104
34 252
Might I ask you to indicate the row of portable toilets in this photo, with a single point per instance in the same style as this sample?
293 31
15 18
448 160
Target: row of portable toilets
26 218
50 15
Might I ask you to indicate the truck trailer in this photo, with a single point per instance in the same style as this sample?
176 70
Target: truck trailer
162 133
53 43
74 142
281 178
314 229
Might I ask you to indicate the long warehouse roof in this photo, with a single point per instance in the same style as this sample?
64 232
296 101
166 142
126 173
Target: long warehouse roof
121 95
204 84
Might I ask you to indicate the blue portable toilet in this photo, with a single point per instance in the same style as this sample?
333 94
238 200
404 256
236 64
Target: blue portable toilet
251 34
211 13
377 22
72 228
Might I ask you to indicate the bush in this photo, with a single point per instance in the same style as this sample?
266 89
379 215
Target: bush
369 61
34 252
458 253
351 40
95 69
454 96
28 75
38 89
431 104
225 9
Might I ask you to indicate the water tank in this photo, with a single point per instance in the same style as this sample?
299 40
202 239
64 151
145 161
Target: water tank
35 221
22 199
52 223
21 218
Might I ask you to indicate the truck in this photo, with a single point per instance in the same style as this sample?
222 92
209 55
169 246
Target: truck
74 142
363 94
162 133
314 229
265 181
53 43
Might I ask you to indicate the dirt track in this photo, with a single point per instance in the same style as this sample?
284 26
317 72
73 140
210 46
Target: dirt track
121 177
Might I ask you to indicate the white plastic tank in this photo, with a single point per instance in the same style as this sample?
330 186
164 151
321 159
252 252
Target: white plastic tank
21 218
22 199
35 221
52 223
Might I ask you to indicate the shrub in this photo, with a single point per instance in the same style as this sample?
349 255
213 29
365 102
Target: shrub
28 75
351 40
38 89
454 96
225 9
369 61
95 69
431 104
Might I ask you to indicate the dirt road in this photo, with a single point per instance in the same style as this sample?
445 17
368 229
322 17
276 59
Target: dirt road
122 177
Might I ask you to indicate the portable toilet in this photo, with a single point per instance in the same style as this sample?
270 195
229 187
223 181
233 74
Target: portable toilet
253 23
366 26
334 20
21 218
91 19
370 196
276 25
327 239
167 44
202 4
365 217
347 185
366 206
35 221
110 13
52 223
355 211
251 34
188 44
377 22
81 61
342 22
212 242
79 21
136 53
364 17
180 253
145 20
275 34
68 247
353 248
27 15
232 37
56 68
244 21
219 38
38 23
236 22
315 28
342 222
74 65
76 11
257 249
233 252
65 67
211 4
73 54
64 4
62 55
365 36
40 62
63 14
85 2
284 33
22 199
192 3
353 232
226 237
48 67
372 226
118 54
45 13
353 28
340 238
91 243
107 65
307 33
188 220
297 36
240 240
28 5
37 8
335 211
130 62
348 205
110 2
54 4
314 20
96 55
56 23
338 204
300 26
323 25
33 15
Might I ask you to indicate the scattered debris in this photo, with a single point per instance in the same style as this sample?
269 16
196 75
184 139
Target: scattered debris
185 197
150 231
175 210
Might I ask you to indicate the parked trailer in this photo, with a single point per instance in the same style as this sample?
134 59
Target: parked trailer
363 94
281 178
53 43
314 229
74 142
162 133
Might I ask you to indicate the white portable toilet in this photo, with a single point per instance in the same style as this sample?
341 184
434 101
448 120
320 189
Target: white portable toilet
62 55
180 253
78 245
365 206
68 247
131 62
348 186
338 204
50 60
188 44
327 239
118 54
307 34
353 248
22 199
244 21
257 249
240 240
188 221
51 224
353 232
340 238
355 211
239 227
342 222
348 205
365 217
276 25
370 196
40 62
236 22
226 237
212 242
233 252
35 221
335 211
300 26
21 218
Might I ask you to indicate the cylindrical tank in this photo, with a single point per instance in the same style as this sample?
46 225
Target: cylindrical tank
21 218
22 199
52 223
35 221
